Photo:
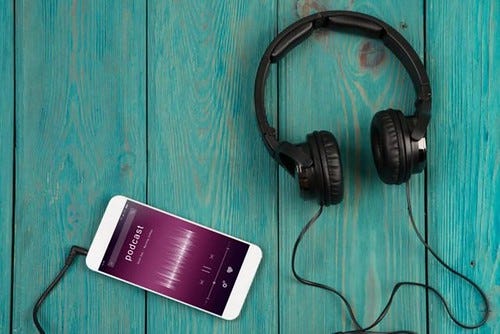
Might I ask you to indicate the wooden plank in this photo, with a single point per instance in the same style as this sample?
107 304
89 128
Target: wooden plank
464 178
81 139
7 161
362 247
206 160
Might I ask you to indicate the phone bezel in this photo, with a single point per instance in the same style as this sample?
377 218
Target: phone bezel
108 225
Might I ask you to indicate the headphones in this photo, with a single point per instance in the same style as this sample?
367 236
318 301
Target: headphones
398 141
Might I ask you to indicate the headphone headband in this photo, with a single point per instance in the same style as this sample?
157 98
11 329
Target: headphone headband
340 21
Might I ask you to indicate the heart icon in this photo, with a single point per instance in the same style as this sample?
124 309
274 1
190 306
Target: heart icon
229 270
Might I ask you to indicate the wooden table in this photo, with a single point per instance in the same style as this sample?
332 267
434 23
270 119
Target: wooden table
154 100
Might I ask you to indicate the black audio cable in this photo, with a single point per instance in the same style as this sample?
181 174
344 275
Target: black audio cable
75 250
366 330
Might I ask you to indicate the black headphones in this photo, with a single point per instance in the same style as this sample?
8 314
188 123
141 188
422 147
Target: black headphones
398 141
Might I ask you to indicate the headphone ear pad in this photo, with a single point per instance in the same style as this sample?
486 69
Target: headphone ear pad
388 146
331 167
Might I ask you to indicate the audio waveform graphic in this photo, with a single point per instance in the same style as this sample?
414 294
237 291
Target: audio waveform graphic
178 246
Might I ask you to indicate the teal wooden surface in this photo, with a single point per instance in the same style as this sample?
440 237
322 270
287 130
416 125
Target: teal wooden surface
362 245
81 138
7 158
154 100
464 178
205 159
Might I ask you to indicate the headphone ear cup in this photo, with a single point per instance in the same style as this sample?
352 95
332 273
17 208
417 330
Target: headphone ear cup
329 164
333 173
388 133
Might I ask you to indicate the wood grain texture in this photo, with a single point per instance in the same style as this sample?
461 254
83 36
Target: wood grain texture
81 139
363 246
154 100
206 161
464 179
7 158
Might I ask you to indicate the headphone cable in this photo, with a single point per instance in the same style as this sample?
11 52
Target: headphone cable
385 310
75 250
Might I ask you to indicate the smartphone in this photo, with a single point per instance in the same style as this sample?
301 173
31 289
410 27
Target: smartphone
174 257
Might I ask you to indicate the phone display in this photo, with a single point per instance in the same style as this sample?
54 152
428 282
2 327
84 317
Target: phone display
175 258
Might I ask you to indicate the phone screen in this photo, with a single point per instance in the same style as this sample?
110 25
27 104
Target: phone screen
173 257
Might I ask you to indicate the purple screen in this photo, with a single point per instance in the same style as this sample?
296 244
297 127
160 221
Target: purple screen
173 257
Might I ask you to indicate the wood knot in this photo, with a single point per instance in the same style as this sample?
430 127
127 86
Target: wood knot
308 7
371 55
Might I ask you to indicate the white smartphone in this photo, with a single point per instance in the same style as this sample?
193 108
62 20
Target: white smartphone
174 257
